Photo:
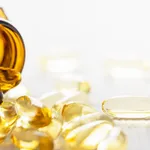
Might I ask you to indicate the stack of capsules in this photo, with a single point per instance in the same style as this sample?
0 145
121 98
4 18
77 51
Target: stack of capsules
54 121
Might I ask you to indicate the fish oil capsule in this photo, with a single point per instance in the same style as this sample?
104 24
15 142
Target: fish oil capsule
84 87
8 113
85 119
31 116
127 107
73 110
75 97
53 129
29 139
9 78
115 141
88 136
8 119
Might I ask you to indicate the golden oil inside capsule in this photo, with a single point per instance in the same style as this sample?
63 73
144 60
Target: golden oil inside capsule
8 119
88 136
127 107
32 116
9 78
73 110
115 141
30 139
79 121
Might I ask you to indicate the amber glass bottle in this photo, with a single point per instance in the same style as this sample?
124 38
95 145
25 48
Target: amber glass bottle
12 49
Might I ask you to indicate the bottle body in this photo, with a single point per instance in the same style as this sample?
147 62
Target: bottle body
12 48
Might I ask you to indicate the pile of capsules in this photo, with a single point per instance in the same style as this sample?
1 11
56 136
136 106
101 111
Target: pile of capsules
53 122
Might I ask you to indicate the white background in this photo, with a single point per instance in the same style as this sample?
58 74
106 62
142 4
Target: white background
95 30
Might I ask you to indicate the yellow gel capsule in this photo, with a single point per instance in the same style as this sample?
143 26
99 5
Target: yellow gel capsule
88 136
53 129
73 110
84 87
9 78
73 97
28 139
8 119
115 141
31 116
79 121
127 107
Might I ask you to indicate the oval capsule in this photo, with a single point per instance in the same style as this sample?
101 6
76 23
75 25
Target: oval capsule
88 136
115 141
127 107
85 119
31 139
8 119
74 110
84 87
31 116
53 129
80 97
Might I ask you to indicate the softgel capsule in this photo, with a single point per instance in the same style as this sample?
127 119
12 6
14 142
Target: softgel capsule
128 107
38 117
32 116
31 139
8 119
